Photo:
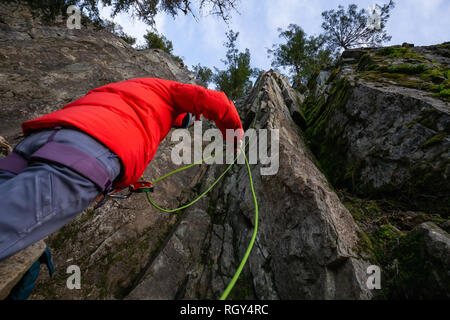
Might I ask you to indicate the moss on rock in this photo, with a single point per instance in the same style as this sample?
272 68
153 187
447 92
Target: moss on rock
403 68
437 138
387 240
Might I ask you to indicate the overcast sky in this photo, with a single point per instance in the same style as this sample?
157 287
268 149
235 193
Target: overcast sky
422 22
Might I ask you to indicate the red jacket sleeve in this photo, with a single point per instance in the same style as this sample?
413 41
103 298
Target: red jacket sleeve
214 105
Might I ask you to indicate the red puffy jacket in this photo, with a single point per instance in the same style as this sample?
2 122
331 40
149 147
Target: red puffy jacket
132 117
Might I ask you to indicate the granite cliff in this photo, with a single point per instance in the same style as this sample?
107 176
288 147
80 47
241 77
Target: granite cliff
363 177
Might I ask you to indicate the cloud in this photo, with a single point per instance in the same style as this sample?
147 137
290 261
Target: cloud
201 41
420 22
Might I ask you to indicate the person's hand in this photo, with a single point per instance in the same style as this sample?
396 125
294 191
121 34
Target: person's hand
239 147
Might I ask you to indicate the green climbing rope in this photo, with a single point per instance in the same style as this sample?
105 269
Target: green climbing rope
195 200
255 229
252 241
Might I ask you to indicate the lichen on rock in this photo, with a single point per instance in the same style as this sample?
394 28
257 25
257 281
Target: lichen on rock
377 137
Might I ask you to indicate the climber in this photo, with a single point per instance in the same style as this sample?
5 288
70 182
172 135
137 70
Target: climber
101 141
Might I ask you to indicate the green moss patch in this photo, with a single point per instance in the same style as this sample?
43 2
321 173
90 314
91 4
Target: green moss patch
385 239
411 124
413 274
399 52
366 63
410 70
328 148
437 138
403 68
436 75
445 94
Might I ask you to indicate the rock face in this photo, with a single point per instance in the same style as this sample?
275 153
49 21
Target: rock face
308 244
306 240
13 268
43 67
436 244
379 123
305 246
424 264
5 147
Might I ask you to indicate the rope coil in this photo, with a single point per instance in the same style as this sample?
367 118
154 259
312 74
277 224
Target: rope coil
255 229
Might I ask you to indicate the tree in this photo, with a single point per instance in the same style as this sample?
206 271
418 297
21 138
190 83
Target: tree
301 55
144 10
235 79
50 9
204 74
155 41
350 29
117 29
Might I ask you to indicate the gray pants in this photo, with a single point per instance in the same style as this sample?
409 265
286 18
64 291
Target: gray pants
44 197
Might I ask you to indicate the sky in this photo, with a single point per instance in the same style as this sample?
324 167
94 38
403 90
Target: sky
422 22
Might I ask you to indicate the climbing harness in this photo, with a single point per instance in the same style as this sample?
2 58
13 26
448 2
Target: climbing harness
55 152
